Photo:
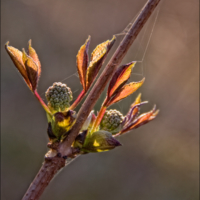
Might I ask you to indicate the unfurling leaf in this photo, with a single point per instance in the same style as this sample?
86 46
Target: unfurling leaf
87 121
100 141
16 57
32 71
82 62
120 78
141 120
125 91
98 56
32 53
134 109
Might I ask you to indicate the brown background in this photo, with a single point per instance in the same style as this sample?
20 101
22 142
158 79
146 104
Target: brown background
158 161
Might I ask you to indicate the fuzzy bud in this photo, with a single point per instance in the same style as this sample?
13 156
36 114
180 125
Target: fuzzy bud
111 121
59 97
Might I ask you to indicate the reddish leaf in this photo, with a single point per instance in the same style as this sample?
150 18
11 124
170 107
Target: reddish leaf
137 101
82 62
32 53
133 113
16 57
120 78
142 119
98 56
32 71
125 91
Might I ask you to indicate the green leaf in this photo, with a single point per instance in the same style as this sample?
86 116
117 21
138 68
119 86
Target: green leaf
100 141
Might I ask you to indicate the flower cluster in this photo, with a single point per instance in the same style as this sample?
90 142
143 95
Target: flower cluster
111 121
98 132
58 97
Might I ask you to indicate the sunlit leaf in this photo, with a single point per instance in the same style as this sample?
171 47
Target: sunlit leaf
16 57
120 78
32 71
125 91
133 113
142 119
98 56
100 141
82 62
32 53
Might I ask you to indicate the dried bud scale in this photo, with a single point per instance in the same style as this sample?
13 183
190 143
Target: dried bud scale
58 97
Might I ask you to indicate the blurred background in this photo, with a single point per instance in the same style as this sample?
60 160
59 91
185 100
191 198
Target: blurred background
158 161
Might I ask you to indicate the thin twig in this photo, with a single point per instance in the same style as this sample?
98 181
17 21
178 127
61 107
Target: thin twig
50 167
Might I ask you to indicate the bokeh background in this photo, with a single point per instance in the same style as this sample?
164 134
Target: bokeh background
159 161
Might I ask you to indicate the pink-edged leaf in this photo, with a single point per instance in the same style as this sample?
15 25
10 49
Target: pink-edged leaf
133 113
82 62
136 102
142 119
98 56
120 78
125 91
32 71
16 57
32 53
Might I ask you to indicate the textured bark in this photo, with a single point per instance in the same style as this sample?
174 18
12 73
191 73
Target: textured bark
51 167
48 170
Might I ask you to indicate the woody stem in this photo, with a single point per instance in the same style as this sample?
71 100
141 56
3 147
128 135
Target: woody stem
65 146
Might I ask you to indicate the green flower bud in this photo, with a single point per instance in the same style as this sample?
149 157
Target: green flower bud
111 121
99 141
58 97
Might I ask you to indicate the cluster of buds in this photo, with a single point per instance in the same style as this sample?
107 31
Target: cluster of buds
98 132
111 121
58 97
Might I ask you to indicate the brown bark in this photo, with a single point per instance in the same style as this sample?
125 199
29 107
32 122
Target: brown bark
50 167
48 170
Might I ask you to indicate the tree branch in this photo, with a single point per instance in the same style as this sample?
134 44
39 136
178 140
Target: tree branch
51 166
107 74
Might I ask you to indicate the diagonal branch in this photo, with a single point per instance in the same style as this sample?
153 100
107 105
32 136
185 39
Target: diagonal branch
107 74
52 166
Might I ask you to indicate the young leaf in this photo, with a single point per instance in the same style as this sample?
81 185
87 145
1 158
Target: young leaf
125 91
32 53
32 71
82 62
16 57
134 108
98 56
120 78
141 120
100 141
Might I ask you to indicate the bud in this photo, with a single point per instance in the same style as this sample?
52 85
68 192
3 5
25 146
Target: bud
111 121
99 141
62 123
58 97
